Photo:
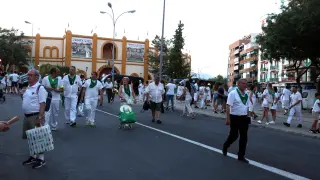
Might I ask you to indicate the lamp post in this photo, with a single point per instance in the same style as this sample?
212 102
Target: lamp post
27 22
114 21
161 44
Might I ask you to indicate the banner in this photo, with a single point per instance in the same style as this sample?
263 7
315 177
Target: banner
81 47
135 52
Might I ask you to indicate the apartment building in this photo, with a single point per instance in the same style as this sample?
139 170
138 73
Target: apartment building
243 58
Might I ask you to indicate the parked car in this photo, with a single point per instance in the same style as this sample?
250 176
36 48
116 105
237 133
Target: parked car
308 96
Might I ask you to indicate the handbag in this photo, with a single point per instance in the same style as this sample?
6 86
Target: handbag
40 140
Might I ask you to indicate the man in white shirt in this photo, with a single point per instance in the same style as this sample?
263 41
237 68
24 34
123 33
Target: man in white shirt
196 94
71 85
92 89
286 99
141 90
237 117
109 86
295 107
14 77
170 94
156 91
53 83
33 106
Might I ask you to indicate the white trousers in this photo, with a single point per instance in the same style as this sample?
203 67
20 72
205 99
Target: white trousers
202 101
187 108
70 105
51 117
91 106
298 113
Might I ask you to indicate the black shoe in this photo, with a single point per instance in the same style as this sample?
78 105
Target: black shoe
299 126
216 112
196 107
39 163
224 151
313 131
153 120
159 122
242 159
255 117
73 124
286 124
31 160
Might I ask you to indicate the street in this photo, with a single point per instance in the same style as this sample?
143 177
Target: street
180 148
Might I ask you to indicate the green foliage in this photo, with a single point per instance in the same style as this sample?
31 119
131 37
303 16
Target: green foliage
219 79
174 61
12 47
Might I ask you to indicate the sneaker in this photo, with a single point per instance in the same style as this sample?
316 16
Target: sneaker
68 122
286 124
53 129
242 159
87 123
255 117
92 124
259 122
31 160
159 122
299 126
39 163
267 123
313 131
272 122
73 124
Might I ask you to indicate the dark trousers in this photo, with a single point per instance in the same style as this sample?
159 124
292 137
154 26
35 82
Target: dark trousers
238 125
110 95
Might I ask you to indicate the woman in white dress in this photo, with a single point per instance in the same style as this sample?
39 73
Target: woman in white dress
268 100
275 105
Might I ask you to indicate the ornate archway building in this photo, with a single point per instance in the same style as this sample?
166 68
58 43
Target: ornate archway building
93 53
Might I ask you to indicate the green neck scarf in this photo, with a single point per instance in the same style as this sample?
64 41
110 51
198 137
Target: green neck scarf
53 82
244 98
127 90
71 80
93 83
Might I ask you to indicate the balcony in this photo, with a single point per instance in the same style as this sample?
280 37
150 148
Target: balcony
236 68
251 79
248 60
236 60
236 51
274 68
254 68
263 69
262 80
289 79
274 79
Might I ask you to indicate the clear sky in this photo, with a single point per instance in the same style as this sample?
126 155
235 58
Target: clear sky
210 26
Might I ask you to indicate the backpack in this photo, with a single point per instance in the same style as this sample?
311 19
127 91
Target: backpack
48 100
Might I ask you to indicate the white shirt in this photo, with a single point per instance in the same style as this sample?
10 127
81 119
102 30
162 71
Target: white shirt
140 87
286 94
295 97
155 92
268 97
15 77
8 78
276 96
108 85
31 100
231 88
170 88
180 90
236 105
46 83
201 90
71 90
92 93
316 107
253 98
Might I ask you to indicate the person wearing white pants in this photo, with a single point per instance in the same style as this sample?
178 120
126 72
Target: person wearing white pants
92 90
53 83
71 84
295 108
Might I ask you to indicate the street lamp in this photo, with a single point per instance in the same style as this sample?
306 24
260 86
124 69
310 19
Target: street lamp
27 22
114 21
161 45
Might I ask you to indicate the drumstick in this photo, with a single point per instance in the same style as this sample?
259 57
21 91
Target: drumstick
13 120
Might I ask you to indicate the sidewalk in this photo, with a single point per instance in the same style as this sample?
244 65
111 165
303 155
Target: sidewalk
304 131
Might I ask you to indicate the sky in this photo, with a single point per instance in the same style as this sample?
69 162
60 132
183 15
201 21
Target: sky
210 26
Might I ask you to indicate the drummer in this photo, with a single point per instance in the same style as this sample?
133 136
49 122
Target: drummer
126 91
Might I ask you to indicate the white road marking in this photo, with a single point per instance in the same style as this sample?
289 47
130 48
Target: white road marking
254 163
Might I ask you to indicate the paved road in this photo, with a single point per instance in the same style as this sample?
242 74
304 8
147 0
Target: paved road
146 152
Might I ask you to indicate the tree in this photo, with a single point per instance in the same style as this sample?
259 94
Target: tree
12 47
176 66
293 35
219 79
154 58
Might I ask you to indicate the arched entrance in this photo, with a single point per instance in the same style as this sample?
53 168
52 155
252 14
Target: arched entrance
107 51
105 70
